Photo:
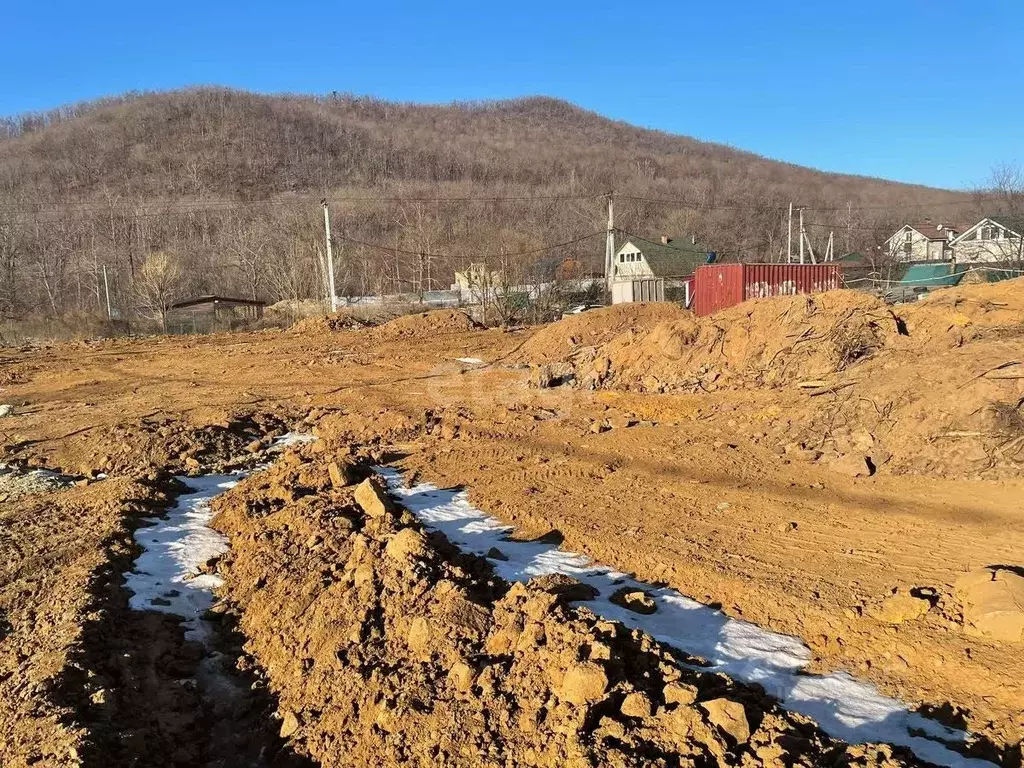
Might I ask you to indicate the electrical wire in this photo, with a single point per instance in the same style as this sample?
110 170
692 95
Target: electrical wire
483 257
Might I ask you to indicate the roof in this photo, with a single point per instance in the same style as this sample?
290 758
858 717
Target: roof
1013 221
932 231
933 275
215 299
677 259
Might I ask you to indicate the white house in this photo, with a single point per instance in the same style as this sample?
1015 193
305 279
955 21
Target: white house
644 270
995 238
671 258
924 241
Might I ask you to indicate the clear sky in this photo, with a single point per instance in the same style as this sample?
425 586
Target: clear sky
928 92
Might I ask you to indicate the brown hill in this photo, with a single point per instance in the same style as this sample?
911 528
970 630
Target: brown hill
228 184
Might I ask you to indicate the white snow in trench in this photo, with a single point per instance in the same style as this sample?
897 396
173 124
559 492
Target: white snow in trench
168 575
844 707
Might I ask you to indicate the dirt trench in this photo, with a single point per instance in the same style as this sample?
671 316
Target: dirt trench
387 646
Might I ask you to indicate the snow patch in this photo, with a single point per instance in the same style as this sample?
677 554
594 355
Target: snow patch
168 575
470 360
843 707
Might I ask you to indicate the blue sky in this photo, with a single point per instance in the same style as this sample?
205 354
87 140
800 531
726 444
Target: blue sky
926 92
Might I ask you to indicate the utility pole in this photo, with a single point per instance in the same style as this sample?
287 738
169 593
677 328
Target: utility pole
801 235
106 289
609 247
332 297
789 236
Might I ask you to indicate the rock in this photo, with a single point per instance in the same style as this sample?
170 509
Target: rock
340 475
372 498
496 554
406 545
636 704
584 684
565 587
192 463
993 601
634 600
679 693
461 676
853 465
729 717
254 447
542 377
289 724
899 608
6 410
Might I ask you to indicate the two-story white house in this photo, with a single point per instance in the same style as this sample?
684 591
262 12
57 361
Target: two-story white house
923 241
995 238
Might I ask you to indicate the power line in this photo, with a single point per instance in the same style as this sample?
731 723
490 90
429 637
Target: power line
483 257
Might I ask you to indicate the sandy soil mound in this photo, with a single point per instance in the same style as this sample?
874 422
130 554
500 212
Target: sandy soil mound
387 647
425 325
338 321
765 342
953 317
562 339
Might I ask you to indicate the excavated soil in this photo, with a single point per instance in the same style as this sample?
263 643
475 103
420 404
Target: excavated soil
848 474
387 647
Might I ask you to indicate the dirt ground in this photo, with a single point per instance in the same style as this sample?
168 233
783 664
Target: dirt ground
824 468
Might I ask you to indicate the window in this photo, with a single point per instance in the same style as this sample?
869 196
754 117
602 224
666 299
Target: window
622 258
988 233
910 236
908 247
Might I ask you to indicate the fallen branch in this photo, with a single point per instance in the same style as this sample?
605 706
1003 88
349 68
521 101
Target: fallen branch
999 367
829 390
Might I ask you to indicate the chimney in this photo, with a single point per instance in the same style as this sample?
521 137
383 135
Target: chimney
665 239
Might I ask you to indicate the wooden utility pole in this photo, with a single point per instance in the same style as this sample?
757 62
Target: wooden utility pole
801 235
609 246
106 289
332 298
789 236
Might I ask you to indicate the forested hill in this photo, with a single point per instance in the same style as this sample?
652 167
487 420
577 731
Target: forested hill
226 184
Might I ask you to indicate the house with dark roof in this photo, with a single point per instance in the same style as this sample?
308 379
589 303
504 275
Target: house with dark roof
996 238
923 241
671 258
644 270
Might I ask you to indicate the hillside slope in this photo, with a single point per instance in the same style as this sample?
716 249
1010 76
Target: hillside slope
227 183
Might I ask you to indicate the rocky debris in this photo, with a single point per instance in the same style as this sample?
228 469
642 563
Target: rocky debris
993 603
899 608
634 600
6 410
341 474
729 716
853 465
386 645
372 498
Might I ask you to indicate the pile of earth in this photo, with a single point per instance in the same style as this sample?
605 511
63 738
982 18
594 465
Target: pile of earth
763 342
579 334
952 317
385 645
425 325
331 323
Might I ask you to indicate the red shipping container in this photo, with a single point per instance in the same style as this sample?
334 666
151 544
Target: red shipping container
718 286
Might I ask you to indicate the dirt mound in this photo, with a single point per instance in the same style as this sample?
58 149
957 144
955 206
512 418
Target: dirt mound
563 339
338 321
425 325
387 646
952 317
765 342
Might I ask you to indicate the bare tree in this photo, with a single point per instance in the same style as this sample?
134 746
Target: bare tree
157 286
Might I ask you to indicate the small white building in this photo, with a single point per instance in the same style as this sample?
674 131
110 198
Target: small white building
644 270
923 241
995 238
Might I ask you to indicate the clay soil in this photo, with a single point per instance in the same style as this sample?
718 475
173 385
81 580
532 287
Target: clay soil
826 468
